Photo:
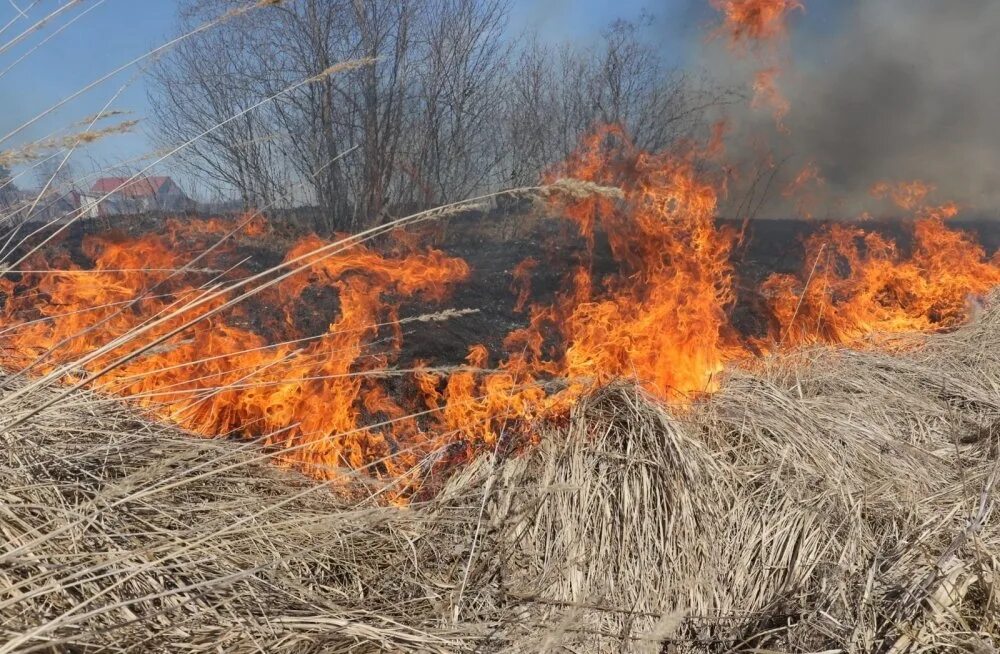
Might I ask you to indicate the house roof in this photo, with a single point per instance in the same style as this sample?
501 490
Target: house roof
143 187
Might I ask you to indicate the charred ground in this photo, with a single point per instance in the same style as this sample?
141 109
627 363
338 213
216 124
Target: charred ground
493 243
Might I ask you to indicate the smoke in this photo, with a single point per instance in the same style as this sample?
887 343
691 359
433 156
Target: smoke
889 90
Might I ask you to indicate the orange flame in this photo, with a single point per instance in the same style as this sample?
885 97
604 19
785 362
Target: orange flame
804 188
311 366
662 320
905 195
335 397
858 282
760 23
312 396
747 21
522 283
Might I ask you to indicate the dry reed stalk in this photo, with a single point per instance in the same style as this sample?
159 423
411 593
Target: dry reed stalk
827 501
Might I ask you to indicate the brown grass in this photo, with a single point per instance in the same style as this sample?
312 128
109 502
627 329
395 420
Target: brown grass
826 501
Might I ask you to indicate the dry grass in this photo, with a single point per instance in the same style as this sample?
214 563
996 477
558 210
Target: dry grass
827 501
40 148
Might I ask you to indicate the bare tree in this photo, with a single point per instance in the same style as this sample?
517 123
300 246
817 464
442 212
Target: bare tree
263 53
8 193
456 147
54 173
198 91
556 99
453 105
416 118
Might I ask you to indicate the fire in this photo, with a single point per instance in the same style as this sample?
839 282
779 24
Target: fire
760 25
311 396
804 190
767 94
905 195
330 391
662 319
746 21
858 282
312 367
522 283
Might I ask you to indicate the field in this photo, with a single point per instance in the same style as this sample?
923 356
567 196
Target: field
488 326
826 500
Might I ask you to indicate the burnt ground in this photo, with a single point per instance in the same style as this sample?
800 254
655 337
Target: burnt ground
494 243
776 245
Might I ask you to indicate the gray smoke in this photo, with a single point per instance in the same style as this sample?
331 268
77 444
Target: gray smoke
896 90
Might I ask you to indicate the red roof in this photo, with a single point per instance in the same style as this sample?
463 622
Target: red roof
140 188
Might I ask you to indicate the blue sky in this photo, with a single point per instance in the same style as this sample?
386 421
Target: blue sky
109 33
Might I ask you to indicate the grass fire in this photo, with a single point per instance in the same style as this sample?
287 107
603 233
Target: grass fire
482 346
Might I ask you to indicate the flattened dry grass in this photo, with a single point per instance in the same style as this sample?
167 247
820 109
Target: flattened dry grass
826 501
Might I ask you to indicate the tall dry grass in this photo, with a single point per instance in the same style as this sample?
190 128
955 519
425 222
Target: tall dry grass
827 501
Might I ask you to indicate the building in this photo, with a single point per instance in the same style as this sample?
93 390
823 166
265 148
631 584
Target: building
51 206
139 195
88 204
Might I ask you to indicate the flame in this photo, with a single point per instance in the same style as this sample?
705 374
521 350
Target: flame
662 319
761 25
905 195
659 319
767 94
313 368
856 281
755 21
859 281
338 397
804 189
311 397
521 284
252 371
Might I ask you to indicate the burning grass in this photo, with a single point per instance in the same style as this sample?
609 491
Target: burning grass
829 500
177 323
626 470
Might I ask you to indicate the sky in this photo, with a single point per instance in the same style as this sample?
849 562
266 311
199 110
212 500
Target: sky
878 87
106 34
98 36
